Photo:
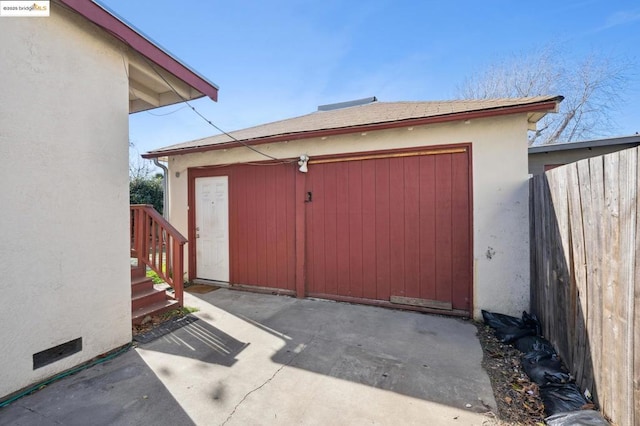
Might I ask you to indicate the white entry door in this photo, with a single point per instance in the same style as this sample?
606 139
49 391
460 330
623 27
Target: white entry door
212 228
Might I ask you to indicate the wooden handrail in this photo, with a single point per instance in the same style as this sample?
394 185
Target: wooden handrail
158 245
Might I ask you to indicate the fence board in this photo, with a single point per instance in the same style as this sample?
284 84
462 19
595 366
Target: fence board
585 273
610 351
596 265
579 274
547 250
624 291
561 334
636 313
591 293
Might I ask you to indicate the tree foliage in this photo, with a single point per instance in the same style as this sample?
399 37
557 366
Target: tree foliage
145 186
147 190
593 88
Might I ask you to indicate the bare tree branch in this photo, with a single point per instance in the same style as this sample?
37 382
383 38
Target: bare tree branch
139 168
593 88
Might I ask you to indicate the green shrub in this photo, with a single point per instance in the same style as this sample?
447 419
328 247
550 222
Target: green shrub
146 190
155 277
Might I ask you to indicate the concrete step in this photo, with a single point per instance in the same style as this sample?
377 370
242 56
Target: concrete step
138 315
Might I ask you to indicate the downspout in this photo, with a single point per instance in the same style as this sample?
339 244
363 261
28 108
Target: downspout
165 195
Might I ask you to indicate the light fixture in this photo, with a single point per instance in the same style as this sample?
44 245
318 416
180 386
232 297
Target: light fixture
302 162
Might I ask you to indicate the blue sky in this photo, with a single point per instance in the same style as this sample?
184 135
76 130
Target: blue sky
282 58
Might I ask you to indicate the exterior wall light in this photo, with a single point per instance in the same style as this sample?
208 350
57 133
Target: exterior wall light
302 162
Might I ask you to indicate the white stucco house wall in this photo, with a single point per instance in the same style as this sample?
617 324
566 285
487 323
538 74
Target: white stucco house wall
68 83
485 241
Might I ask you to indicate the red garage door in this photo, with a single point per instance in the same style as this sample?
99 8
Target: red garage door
394 228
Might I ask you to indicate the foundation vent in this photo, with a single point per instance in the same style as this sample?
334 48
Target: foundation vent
51 355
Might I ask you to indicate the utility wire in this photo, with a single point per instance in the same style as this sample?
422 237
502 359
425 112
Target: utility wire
186 101
246 145
167 113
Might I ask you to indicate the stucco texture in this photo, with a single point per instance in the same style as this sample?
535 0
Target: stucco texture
64 148
500 192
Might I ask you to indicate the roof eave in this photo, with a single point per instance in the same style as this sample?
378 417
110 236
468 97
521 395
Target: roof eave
546 106
594 143
117 27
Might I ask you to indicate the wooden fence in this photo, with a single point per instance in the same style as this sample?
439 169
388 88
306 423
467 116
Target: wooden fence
585 275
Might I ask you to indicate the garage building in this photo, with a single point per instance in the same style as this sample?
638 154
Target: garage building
414 205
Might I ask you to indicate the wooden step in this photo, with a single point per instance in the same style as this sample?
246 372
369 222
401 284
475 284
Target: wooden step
147 297
138 315
141 284
138 271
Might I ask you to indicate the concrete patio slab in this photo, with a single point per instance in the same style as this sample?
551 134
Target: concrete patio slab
262 359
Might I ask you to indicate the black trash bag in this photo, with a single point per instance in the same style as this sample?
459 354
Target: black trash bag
509 329
530 344
558 377
497 321
561 398
543 368
531 321
577 418
511 334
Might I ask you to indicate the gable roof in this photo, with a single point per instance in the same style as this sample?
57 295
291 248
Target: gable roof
369 117
151 87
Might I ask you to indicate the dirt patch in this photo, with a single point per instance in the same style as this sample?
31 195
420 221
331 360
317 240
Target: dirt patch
200 288
155 321
518 398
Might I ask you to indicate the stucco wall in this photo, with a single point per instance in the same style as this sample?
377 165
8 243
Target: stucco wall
63 203
500 193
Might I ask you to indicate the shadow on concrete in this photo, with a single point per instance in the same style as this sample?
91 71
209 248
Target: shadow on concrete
122 391
201 341
428 357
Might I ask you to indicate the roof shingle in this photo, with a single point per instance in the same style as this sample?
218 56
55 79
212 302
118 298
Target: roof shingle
353 119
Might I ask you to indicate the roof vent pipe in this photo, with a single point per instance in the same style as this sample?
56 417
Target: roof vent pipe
347 104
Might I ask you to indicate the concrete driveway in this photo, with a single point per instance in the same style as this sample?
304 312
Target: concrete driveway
255 359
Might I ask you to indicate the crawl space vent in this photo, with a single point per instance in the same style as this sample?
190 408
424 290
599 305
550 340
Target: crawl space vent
51 355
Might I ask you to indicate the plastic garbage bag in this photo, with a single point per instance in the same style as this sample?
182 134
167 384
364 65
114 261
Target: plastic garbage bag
531 321
509 329
530 344
496 321
577 418
511 334
561 398
543 368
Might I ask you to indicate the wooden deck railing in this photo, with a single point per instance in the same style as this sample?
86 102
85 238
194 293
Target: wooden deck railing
160 246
